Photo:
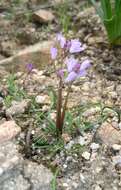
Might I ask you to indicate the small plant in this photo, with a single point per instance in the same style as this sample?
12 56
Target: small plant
64 17
54 182
110 14
68 69
13 91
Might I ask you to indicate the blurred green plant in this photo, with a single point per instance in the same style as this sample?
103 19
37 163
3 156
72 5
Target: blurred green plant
54 182
13 90
64 17
110 14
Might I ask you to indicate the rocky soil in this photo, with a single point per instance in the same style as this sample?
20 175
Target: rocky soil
89 158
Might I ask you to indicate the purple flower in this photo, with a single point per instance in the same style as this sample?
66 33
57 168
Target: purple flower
76 46
60 73
85 64
53 52
75 69
61 39
29 67
71 63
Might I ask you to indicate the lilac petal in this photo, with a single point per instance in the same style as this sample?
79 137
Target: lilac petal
77 67
71 77
62 40
71 63
76 41
59 36
53 52
76 46
85 65
82 73
29 67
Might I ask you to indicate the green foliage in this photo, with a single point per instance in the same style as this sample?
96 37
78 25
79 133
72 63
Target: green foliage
76 149
110 14
53 98
14 91
53 182
107 111
64 17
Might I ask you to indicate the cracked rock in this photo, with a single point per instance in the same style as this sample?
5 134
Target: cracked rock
39 176
17 108
19 174
8 130
43 16
108 135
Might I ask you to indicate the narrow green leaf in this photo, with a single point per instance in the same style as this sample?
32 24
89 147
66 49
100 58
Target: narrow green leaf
110 13
107 10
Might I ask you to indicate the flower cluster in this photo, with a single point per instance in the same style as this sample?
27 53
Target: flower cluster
72 69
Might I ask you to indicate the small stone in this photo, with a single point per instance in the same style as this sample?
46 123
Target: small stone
97 187
69 145
42 99
18 107
8 130
113 95
75 185
65 185
69 158
98 169
45 108
86 155
116 147
91 112
82 178
95 40
94 147
65 166
116 159
66 138
81 141
1 171
53 116
108 135
43 16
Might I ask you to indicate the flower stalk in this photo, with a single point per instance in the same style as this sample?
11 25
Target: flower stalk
68 69
59 107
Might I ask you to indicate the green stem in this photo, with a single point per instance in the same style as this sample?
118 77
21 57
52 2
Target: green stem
65 107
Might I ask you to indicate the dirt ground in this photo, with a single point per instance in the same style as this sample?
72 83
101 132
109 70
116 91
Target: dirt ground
88 158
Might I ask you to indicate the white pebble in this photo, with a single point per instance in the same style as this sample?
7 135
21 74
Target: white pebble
65 185
1 171
81 141
64 166
75 185
40 99
94 146
82 178
97 187
116 147
86 155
